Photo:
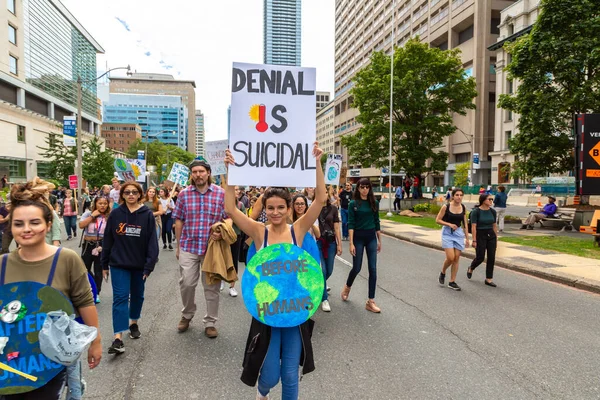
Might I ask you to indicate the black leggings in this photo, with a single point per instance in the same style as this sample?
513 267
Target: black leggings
486 241
167 228
236 249
89 259
50 391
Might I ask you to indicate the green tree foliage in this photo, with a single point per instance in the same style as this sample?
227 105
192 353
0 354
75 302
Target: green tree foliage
461 176
558 67
61 158
429 88
98 164
160 153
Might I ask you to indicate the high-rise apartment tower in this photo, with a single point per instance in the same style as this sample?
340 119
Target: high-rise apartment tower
282 32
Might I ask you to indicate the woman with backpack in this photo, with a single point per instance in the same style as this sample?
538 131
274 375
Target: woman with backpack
453 218
485 237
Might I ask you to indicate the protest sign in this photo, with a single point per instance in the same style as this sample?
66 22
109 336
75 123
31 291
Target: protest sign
215 156
272 125
332 169
179 175
130 169
282 285
23 307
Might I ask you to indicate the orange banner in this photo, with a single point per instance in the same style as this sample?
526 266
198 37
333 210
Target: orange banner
592 173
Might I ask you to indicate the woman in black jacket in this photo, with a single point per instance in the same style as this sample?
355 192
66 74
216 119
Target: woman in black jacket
130 248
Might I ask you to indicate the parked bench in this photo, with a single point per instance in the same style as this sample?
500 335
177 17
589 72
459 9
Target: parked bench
563 218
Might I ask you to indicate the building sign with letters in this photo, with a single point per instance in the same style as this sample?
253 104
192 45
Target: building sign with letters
588 154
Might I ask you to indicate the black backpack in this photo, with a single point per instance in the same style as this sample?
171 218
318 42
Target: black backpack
476 208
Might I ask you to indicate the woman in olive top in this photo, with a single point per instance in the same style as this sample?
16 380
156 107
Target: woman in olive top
364 229
485 234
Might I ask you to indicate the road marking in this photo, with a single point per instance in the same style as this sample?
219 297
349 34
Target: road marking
340 259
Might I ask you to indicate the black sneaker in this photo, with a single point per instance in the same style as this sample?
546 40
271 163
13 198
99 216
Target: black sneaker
134 331
117 347
170 247
442 278
453 286
164 246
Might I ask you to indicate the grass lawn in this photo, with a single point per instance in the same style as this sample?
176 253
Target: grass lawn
425 221
583 247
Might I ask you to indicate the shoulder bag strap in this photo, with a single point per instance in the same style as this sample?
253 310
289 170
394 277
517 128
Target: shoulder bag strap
3 271
266 238
294 236
53 268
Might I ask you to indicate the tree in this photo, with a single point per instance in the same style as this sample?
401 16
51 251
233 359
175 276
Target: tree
558 67
61 158
430 86
160 153
98 164
461 176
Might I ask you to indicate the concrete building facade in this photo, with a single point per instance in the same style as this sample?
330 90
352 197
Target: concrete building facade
162 85
323 99
469 25
200 134
119 137
516 20
282 32
325 122
39 67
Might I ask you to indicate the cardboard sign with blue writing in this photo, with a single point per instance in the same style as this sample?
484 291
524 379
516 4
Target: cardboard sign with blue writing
282 285
332 169
23 308
179 175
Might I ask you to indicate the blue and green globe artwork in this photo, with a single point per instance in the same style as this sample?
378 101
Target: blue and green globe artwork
332 173
282 285
23 308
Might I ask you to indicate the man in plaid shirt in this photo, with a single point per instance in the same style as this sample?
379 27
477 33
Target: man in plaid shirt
198 207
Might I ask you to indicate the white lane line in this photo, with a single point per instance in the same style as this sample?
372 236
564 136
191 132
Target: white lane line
340 259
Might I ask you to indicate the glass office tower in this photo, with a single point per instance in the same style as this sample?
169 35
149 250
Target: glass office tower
282 32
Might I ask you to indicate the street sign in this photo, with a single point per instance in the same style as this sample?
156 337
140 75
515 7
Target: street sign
69 131
141 155
73 182
476 161
588 154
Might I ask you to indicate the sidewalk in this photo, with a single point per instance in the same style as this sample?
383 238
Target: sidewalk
582 273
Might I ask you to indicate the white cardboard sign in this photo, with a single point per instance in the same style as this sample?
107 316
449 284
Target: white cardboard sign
179 174
272 125
332 169
215 156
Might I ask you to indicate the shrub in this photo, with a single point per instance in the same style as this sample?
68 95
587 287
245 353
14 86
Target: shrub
423 207
434 208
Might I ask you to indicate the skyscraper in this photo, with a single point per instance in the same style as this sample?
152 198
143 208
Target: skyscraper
200 134
282 32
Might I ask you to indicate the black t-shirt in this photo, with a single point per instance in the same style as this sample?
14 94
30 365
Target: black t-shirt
329 216
345 197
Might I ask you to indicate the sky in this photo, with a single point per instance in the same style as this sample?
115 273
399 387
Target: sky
199 40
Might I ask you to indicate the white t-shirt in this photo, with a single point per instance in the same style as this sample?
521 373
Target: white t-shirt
165 202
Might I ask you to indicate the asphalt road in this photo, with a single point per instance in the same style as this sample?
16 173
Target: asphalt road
526 339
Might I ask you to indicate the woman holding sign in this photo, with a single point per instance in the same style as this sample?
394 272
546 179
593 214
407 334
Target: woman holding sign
274 353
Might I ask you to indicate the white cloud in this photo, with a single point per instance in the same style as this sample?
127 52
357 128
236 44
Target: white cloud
199 40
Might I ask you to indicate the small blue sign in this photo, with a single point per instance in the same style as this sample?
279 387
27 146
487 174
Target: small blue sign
476 158
69 126
141 155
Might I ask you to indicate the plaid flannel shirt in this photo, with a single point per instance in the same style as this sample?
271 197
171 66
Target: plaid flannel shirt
199 212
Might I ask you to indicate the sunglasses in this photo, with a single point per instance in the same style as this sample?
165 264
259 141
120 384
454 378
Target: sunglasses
365 187
130 192
490 198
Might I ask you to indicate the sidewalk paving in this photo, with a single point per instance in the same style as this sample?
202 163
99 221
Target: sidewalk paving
580 272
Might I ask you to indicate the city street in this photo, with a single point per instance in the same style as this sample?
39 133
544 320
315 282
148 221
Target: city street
526 339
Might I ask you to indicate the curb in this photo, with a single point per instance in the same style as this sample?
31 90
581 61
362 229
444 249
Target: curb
553 276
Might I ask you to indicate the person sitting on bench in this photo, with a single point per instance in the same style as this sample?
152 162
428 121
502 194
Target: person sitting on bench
548 211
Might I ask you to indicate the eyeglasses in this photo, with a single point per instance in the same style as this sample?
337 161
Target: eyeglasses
299 204
130 192
365 187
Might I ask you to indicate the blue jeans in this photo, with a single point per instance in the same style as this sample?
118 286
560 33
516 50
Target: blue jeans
344 213
128 297
282 360
327 265
75 381
70 224
365 240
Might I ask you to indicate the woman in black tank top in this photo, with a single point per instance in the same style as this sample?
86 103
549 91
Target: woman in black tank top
455 236
275 353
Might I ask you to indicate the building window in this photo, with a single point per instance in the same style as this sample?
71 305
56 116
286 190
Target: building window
507 137
494 29
12 65
10 4
462 158
16 169
465 35
43 169
20 134
12 34
509 115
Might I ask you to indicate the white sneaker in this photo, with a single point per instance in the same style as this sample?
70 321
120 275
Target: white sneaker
260 397
325 306
233 292
222 286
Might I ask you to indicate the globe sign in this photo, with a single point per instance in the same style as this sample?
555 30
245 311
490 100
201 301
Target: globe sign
282 285
332 173
23 367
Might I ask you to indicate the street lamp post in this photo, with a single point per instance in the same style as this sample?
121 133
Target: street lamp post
389 213
79 169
